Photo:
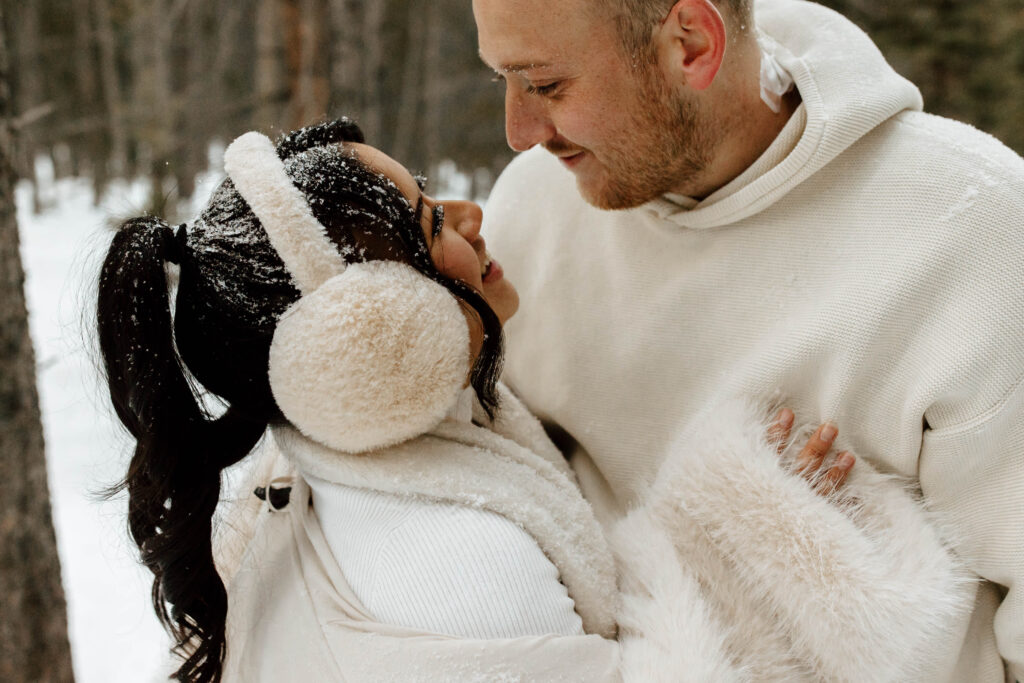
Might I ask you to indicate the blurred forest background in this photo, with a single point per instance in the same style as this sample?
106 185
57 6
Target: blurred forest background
129 88
111 90
140 88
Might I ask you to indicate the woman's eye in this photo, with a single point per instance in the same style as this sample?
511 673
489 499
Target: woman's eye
438 219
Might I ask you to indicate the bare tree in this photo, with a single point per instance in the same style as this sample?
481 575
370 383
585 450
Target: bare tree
412 85
270 64
434 84
346 58
112 96
33 622
373 60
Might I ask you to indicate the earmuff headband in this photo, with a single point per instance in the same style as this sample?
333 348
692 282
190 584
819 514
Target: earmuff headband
258 174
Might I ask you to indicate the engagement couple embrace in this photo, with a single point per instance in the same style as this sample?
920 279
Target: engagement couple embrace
731 231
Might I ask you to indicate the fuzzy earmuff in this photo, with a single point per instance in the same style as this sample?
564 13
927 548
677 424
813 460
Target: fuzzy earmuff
375 356
372 353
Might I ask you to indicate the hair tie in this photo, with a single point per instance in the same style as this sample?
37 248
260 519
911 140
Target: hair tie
175 244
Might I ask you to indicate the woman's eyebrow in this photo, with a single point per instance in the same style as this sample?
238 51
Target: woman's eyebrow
418 212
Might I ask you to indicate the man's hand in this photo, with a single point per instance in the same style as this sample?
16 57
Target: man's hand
812 456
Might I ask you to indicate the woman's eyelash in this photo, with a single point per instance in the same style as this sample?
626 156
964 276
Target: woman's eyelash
438 219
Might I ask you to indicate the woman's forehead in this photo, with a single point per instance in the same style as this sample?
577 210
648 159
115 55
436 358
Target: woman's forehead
378 161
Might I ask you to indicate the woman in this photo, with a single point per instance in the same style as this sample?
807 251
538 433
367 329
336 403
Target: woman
322 294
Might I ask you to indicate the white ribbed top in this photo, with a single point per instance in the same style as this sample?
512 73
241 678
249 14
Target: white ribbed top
442 567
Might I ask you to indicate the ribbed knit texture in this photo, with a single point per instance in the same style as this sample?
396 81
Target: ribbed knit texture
441 567
869 272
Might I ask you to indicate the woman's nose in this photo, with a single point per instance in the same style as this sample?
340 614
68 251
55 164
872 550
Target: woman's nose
465 217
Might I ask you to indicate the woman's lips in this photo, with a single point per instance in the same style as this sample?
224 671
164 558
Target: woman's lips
493 273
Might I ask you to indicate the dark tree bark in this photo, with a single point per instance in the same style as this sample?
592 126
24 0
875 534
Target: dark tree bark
346 59
112 96
271 72
33 622
373 41
412 84
434 86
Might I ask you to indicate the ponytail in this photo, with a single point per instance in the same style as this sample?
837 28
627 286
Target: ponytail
173 479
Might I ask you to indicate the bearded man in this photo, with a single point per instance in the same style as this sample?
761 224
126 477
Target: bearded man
721 199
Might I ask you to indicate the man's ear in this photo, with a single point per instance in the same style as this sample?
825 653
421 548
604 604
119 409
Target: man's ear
693 40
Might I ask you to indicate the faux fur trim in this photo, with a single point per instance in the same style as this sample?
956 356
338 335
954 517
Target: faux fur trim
252 163
862 586
667 631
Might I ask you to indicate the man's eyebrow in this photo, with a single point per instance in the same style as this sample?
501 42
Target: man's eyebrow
515 67
519 68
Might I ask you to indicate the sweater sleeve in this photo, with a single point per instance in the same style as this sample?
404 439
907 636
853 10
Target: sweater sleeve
972 474
863 585
441 567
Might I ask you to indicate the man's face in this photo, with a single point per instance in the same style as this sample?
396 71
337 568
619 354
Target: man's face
619 127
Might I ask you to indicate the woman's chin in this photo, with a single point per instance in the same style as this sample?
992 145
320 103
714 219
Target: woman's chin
504 302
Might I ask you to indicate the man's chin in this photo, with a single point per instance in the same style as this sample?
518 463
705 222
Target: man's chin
601 195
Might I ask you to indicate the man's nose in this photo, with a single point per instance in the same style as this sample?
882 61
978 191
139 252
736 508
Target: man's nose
526 121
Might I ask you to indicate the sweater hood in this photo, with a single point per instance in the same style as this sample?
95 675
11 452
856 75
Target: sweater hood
847 88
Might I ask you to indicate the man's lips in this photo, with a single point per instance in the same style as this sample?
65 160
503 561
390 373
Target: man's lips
571 160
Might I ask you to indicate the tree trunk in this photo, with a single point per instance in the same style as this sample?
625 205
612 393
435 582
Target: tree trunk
30 90
412 74
373 39
33 621
271 83
111 90
433 86
346 59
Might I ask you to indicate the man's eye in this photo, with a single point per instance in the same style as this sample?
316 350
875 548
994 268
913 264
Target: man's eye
438 219
544 90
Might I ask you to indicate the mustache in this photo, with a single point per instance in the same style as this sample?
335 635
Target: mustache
561 147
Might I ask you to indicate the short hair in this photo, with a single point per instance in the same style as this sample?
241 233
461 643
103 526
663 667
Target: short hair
635 20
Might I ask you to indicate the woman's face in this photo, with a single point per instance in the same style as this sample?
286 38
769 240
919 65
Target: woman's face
456 247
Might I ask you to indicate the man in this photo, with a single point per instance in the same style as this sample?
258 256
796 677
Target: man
688 227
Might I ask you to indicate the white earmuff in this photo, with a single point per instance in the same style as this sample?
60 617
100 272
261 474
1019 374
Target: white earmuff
372 353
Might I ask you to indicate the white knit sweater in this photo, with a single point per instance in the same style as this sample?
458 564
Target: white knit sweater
442 567
868 269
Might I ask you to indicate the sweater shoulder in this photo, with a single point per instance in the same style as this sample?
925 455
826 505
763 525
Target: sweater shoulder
959 145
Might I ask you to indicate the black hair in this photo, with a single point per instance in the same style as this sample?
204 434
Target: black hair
231 290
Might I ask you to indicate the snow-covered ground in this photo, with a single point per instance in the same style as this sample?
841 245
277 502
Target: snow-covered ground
115 636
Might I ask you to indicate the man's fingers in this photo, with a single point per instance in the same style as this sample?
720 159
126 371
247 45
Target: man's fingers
836 475
778 432
817 447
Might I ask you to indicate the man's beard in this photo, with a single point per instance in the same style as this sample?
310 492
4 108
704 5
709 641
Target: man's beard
669 143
